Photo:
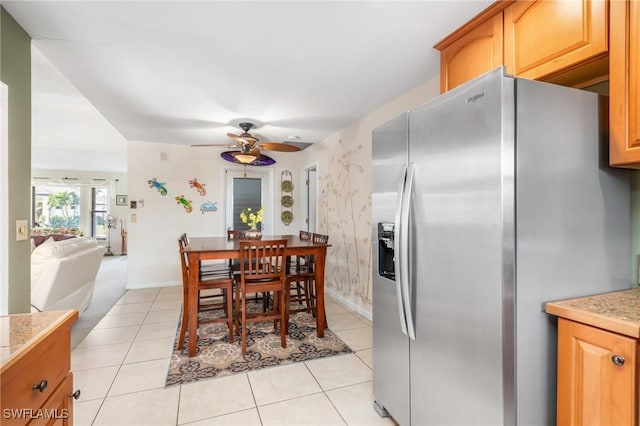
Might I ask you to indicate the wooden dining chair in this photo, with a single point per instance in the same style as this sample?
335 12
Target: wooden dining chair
208 269
219 283
299 275
263 273
300 279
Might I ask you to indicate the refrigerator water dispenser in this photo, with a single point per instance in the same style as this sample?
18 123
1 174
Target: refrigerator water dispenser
385 250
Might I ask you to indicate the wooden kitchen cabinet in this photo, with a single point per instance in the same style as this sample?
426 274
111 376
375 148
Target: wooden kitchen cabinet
592 388
472 50
624 84
598 360
560 41
35 378
59 404
547 40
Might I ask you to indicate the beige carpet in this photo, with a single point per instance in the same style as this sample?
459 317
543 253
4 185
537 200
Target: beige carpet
216 357
111 283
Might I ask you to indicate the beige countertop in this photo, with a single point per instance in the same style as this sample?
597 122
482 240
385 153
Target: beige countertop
19 332
616 311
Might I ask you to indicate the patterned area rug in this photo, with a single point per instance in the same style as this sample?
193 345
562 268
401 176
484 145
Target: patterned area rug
216 357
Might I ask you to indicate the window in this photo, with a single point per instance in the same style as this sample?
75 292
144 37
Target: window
248 189
247 193
56 207
99 211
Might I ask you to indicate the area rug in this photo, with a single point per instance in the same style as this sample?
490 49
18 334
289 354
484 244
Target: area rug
216 357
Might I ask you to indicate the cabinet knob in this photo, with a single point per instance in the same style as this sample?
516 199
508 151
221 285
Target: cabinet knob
618 360
76 394
40 386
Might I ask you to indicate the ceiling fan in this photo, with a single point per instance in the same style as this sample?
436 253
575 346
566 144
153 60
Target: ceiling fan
248 148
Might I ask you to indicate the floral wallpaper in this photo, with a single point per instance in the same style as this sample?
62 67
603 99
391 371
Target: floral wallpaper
345 214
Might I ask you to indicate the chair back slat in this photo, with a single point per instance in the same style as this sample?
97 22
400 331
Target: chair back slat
184 260
236 234
262 259
320 238
305 235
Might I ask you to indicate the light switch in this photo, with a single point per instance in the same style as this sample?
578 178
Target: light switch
22 230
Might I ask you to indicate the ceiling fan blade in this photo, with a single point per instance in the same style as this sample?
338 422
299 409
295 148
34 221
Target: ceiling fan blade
278 146
226 145
243 139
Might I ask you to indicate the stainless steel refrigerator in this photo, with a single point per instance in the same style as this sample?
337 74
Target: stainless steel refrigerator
488 201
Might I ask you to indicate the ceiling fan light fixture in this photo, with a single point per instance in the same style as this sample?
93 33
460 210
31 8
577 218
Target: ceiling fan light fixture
244 158
247 159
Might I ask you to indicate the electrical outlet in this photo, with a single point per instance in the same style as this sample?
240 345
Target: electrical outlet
22 230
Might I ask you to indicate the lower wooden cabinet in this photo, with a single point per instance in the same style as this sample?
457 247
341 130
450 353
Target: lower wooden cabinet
36 384
597 376
58 409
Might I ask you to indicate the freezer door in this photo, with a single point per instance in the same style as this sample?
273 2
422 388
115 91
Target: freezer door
390 344
462 147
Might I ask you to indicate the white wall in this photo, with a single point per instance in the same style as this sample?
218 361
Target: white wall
344 193
4 199
344 198
153 230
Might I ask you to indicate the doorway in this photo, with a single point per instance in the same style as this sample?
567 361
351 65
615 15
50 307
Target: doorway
310 205
247 189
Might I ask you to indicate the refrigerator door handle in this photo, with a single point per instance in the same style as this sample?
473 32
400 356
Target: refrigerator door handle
405 209
398 254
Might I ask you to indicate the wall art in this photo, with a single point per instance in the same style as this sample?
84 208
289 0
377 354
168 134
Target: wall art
193 183
185 203
286 185
160 186
208 206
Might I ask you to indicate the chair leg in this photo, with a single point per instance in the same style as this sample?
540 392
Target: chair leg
287 306
183 328
183 323
237 308
277 307
284 325
229 299
244 326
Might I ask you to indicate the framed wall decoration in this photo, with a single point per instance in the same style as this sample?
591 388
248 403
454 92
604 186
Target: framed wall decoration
121 200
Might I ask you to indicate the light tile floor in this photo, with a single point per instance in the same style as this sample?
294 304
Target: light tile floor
121 367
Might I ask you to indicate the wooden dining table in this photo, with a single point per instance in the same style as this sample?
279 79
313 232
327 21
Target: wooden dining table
211 248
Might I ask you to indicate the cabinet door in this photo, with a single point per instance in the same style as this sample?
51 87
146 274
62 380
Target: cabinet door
473 54
592 389
624 84
542 38
58 410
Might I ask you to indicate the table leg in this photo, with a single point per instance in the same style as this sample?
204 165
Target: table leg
192 304
319 278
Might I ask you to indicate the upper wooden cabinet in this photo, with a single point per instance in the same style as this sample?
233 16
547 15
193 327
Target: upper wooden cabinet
543 38
479 50
561 41
624 84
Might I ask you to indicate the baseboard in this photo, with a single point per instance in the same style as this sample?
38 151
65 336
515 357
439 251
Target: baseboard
138 286
359 309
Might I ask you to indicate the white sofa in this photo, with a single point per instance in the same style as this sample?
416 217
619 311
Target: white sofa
63 273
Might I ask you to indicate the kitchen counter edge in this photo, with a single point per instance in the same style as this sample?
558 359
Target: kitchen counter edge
617 311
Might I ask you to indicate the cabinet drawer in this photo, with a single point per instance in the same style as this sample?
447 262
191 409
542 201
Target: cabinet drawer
58 409
50 361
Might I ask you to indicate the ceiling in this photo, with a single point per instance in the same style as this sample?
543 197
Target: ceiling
105 72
